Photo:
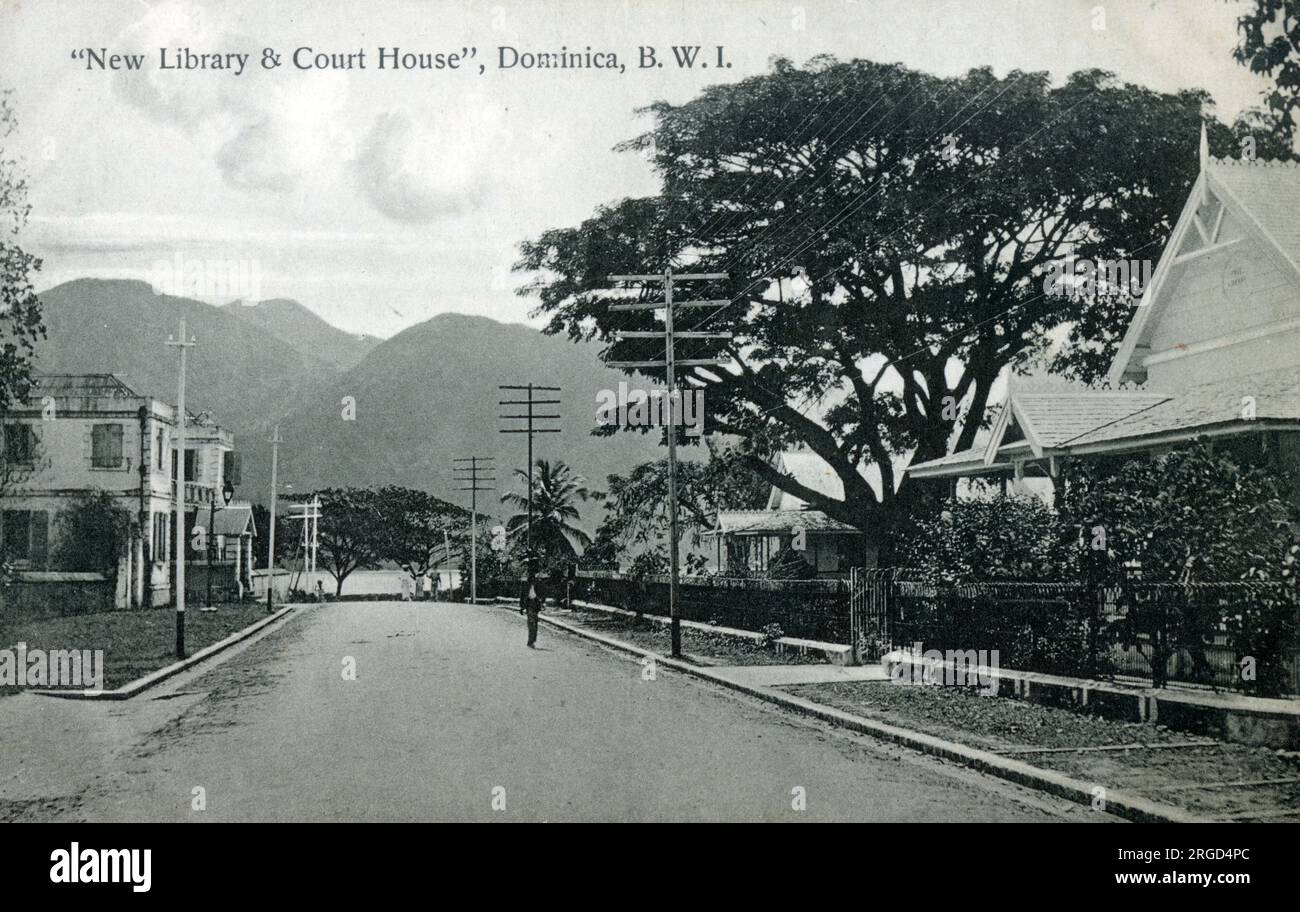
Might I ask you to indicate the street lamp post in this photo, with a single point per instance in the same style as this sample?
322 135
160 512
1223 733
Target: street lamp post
270 545
227 492
183 344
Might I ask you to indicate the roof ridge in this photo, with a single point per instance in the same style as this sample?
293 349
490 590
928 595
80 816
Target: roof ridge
1255 163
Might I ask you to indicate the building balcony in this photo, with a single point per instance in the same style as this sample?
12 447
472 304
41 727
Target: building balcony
196 493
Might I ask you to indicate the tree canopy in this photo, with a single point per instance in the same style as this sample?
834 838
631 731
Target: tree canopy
352 529
1268 42
21 326
885 233
416 528
557 492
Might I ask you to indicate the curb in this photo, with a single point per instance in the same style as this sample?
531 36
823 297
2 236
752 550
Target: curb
1121 804
131 689
834 653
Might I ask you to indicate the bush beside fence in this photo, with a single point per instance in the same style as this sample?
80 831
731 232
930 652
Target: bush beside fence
1207 633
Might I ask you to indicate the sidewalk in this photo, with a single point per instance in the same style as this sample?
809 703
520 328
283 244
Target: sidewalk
1140 771
52 750
788 675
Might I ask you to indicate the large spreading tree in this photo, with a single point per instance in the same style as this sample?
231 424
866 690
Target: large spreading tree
886 234
352 530
417 531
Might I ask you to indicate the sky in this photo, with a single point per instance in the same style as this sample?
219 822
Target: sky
380 198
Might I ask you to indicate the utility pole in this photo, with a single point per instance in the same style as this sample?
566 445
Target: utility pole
270 547
530 429
470 473
182 343
670 363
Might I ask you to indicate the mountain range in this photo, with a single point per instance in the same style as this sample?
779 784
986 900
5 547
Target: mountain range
422 398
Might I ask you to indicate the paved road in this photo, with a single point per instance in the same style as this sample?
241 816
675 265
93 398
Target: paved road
448 706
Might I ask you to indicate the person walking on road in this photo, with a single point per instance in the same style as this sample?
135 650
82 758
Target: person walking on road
531 605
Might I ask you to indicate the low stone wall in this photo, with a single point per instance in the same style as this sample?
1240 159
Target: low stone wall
1260 721
37 595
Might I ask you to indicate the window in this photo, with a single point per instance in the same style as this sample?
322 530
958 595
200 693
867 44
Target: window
26 535
106 446
827 551
159 537
162 453
191 465
20 444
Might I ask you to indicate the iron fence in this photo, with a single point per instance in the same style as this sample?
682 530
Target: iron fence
1230 635
812 609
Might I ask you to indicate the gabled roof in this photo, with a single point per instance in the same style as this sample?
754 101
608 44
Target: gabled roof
236 519
1052 419
809 470
78 385
1269 195
1264 197
1136 420
761 522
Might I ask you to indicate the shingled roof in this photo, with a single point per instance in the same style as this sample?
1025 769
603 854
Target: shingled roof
1051 419
760 522
1262 398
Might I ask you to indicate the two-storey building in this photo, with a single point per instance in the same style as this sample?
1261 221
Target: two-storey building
83 433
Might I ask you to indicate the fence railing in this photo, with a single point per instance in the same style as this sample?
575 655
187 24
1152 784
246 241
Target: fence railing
812 609
1231 635
1241 636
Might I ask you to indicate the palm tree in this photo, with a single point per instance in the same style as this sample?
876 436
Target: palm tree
556 491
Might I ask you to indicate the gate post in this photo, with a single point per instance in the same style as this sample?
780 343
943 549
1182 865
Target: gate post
854 658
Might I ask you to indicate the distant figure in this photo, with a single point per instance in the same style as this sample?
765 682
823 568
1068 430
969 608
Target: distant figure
428 586
320 591
531 605
406 588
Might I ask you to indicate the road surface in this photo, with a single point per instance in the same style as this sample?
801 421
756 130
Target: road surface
450 717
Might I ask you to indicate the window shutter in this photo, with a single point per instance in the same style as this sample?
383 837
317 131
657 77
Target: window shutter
231 470
40 539
115 444
97 445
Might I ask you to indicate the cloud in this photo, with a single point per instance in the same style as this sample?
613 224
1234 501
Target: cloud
414 175
262 133
270 132
249 159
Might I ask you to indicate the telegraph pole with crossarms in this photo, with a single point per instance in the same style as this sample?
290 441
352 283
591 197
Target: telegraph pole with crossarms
670 363
470 471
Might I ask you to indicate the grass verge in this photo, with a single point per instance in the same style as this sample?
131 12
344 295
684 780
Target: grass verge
1218 779
135 643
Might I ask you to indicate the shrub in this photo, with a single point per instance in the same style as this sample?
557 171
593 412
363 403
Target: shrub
771 633
1005 538
789 564
93 533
